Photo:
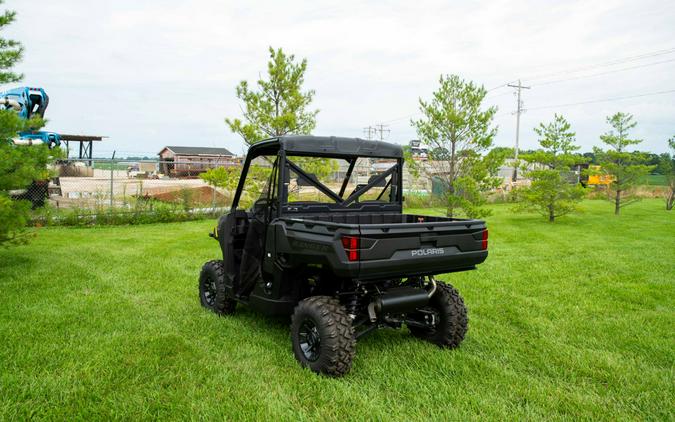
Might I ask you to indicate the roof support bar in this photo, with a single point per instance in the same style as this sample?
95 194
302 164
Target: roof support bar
326 191
372 183
352 162
384 189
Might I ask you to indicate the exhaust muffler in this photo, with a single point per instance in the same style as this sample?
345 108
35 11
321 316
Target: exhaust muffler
401 299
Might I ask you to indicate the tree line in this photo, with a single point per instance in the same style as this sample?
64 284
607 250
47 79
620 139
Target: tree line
459 130
455 122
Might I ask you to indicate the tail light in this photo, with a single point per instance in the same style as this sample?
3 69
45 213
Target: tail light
484 244
351 245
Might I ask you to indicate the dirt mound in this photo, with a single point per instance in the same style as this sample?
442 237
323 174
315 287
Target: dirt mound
202 195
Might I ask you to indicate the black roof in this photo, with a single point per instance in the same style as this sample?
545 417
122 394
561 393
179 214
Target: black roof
198 150
329 146
80 138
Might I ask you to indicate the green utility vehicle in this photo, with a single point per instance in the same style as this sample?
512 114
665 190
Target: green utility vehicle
334 250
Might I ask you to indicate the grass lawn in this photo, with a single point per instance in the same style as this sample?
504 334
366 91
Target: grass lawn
655 180
571 320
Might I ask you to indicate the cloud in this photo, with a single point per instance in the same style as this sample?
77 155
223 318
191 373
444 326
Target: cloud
153 73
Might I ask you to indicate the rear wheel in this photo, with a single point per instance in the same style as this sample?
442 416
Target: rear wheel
323 336
212 292
445 316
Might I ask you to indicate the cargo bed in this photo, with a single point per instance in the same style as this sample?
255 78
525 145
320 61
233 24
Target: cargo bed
389 245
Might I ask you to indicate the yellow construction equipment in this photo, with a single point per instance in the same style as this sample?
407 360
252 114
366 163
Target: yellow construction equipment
595 178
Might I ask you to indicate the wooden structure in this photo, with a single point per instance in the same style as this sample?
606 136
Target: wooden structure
86 145
177 161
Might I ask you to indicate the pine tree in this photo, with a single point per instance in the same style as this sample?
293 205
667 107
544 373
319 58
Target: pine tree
19 166
625 168
279 106
552 193
11 51
459 132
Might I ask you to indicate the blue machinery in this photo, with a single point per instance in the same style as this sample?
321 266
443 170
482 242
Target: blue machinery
30 102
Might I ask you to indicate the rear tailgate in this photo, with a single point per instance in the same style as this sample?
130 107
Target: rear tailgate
409 249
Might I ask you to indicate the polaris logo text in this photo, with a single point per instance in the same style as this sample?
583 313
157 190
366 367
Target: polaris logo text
430 251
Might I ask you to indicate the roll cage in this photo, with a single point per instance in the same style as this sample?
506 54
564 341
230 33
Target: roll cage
279 150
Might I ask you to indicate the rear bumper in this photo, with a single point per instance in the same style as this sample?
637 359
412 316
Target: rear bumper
385 252
405 264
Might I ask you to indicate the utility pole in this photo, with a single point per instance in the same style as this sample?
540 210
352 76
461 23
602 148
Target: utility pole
520 110
381 128
369 132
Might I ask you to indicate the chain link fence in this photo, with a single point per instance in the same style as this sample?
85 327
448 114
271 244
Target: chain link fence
93 191
89 189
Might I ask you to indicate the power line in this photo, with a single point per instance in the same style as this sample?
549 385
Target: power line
369 132
401 118
605 64
605 73
588 76
499 86
497 96
381 128
602 100
612 62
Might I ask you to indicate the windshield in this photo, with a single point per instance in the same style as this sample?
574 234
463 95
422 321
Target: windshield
342 181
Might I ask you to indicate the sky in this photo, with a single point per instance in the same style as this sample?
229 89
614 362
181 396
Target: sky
154 73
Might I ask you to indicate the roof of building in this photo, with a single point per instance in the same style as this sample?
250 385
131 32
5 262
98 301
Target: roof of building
331 146
198 150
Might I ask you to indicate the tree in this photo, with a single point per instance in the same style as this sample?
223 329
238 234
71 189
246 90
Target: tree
410 162
551 192
667 168
279 106
652 159
222 177
11 51
19 166
590 157
459 132
625 168
508 151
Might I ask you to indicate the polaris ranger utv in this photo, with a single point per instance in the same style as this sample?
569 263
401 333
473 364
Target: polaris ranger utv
324 239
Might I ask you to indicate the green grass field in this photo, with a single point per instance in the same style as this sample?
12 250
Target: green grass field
655 180
572 320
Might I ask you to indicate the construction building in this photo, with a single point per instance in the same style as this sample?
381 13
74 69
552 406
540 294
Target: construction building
177 161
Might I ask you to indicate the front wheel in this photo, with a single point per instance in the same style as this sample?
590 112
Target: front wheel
445 318
212 292
323 336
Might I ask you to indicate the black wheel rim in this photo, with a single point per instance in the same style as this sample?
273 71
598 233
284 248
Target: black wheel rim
210 291
310 340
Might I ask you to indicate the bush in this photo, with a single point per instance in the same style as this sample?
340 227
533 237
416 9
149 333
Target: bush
141 212
421 200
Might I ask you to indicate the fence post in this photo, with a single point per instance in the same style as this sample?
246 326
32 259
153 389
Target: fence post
112 165
213 198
